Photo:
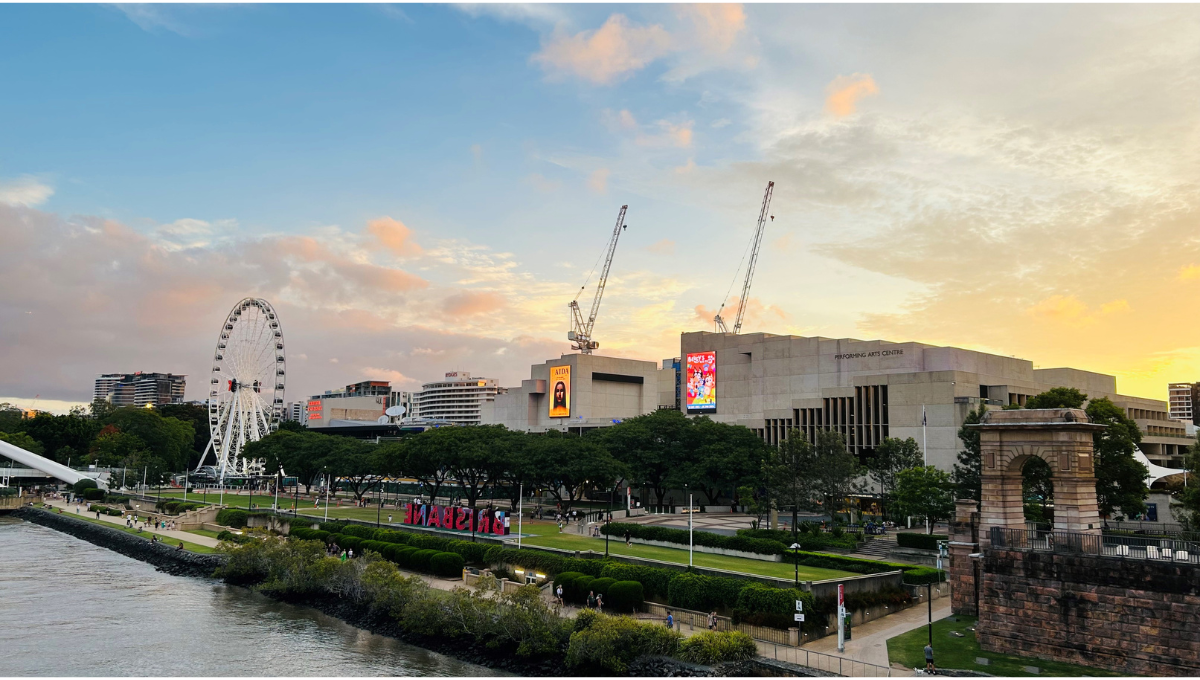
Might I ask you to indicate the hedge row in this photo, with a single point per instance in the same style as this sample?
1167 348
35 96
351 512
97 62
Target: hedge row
922 541
912 574
812 539
704 538
622 596
176 507
92 494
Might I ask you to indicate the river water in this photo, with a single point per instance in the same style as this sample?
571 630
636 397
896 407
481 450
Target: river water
70 608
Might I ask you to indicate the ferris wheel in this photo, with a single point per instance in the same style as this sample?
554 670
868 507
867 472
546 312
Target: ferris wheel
245 397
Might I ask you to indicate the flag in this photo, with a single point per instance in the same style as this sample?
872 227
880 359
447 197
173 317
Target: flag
924 420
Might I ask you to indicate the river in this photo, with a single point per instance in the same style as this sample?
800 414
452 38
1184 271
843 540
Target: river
70 608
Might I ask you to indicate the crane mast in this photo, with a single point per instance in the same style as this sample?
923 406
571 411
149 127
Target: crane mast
718 320
581 334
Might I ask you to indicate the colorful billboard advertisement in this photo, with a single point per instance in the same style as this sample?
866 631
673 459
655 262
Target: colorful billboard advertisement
560 391
701 382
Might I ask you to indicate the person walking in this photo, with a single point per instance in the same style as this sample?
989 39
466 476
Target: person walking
558 595
628 539
670 620
600 602
591 601
712 620
929 667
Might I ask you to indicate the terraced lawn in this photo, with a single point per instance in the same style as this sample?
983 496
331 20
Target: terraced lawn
187 545
960 653
680 556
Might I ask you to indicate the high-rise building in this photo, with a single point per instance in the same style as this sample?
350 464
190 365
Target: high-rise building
139 389
362 403
1180 398
459 399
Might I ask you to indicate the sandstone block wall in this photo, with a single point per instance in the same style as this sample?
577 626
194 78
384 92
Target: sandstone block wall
1137 617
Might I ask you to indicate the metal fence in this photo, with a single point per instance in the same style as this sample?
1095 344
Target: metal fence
834 665
1107 545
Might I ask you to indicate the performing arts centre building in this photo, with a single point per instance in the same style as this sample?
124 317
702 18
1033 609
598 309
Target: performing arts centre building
865 389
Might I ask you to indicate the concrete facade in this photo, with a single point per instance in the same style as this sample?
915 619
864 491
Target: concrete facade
870 389
603 389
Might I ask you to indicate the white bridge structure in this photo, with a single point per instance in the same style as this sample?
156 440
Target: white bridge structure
44 465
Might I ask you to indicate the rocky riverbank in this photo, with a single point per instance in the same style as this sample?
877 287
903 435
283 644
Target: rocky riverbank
165 558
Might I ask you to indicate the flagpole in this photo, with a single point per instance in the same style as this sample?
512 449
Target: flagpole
924 437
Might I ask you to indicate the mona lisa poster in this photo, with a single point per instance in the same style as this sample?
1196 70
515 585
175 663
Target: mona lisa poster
560 391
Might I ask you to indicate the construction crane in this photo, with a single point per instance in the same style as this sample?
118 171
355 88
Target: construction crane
754 245
581 335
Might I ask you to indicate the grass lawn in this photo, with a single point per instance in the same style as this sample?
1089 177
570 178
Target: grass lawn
203 532
959 653
191 547
680 556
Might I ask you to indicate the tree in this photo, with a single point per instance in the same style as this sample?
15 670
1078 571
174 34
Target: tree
197 416
569 464
352 460
291 426
838 472
925 492
968 471
23 441
1120 478
114 448
1057 397
168 439
64 436
791 475
1037 488
1186 507
724 456
428 457
477 458
755 501
891 456
10 417
652 447
299 454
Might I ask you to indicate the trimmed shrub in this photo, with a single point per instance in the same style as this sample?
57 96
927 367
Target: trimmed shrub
373 546
921 541
625 596
922 575
404 556
704 593
419 560
93 494
761 605
446 564
602 584
233 517
565 579
809 536
348 542
333 527
84 484
655 580
710 647
580 586
359 531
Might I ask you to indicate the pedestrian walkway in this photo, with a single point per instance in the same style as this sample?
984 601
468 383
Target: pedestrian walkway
69 509
869 642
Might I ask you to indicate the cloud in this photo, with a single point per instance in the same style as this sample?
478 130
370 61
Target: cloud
842 95
717 25
192 233
542 183
662 247
396 378
687 167
25 191
617 121
395 236
470 303
152 18
757 314
606 55
1189 273
477 154
598 181
720 123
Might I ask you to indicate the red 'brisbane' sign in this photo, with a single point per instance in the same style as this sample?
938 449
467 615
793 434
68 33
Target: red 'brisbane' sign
457 518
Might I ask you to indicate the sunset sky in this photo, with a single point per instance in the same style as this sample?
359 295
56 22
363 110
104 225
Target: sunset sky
420 189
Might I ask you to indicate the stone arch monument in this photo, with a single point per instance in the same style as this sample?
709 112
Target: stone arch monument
1063 438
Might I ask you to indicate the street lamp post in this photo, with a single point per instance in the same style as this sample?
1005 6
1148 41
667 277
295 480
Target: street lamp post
930 625
796 556
326 493
520 512
606 520
689 511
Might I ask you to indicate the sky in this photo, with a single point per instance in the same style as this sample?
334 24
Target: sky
423 188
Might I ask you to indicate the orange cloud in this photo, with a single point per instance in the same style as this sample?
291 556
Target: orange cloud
756 312
394 235
717 25
470 303
310 251
605 55
843 93
1189 272
663 247
599 180
1060 308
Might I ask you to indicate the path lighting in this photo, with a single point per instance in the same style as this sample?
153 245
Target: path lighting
607 519
795 548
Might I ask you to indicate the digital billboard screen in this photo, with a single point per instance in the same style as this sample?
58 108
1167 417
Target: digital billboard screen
701 382
560 391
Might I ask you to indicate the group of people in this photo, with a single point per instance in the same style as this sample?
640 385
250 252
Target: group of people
712 620
334 550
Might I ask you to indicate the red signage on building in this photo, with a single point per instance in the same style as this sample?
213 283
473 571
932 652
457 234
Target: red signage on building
457 518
